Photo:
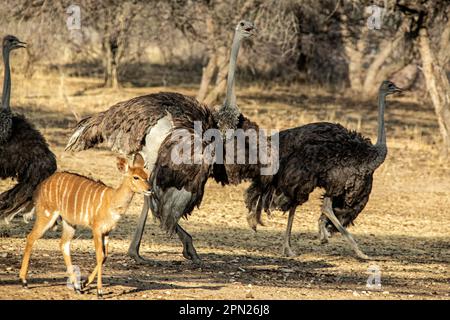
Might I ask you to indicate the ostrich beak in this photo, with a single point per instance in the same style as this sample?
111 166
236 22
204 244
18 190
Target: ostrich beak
252 31
20 44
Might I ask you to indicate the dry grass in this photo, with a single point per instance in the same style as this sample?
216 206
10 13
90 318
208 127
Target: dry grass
405 225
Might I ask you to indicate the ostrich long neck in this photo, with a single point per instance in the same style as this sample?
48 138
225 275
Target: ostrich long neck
7 81
381 141
380 146
230 99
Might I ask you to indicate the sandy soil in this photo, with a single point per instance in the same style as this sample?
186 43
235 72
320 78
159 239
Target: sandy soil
405 226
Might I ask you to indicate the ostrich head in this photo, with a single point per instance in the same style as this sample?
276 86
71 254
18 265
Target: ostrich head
387 87
245 29
11 43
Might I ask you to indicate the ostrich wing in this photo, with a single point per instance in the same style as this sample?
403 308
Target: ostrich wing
123 127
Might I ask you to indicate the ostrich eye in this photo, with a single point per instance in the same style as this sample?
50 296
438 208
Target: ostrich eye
242 24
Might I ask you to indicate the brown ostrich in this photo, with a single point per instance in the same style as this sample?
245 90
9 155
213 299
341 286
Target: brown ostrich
24 153
146 124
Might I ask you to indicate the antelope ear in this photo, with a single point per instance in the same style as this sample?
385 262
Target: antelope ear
138 161
122 164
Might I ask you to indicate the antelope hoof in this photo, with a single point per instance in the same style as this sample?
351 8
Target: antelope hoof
288 252
99 293
25 284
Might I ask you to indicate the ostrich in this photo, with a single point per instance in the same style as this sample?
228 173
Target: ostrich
145 124
24 153
327 156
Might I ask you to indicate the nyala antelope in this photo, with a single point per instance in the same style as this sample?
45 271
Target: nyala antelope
80 201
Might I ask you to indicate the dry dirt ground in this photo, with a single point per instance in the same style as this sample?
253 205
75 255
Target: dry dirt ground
405 226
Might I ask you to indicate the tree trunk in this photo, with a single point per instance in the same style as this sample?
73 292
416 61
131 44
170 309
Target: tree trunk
207 75
221 79
375 74
110 47
354 53
438 87
209 70
444 51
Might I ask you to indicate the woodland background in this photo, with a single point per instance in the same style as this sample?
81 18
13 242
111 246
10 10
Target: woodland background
187 42
311 60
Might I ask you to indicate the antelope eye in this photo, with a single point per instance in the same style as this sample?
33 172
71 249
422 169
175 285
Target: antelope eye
136 178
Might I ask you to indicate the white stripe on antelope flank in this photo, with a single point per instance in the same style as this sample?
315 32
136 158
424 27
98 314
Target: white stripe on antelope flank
85 194
83 199
71 186
91 201
49 189
58 192
87 204
75 210
64 186
63 196
53 193
100 202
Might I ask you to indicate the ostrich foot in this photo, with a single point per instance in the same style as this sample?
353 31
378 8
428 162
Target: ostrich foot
140 260
324 236
191 254
363 256
288 252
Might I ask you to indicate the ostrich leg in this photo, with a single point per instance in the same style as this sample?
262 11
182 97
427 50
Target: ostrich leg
287 251
189 251
323 232
133 250
327 209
